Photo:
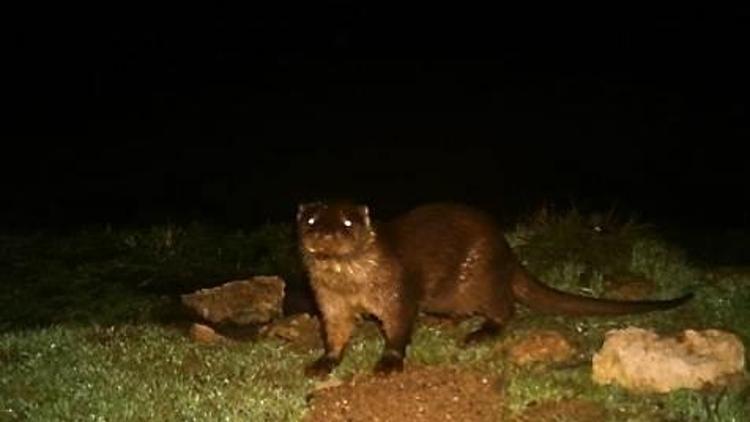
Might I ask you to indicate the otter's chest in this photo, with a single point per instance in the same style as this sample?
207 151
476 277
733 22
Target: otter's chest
344 276
363 286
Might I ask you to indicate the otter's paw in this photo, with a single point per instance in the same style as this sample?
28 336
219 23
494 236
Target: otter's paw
321 367
390 362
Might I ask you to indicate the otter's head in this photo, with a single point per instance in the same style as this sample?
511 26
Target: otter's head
333 230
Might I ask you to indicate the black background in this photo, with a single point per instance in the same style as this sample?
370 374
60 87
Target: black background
232 116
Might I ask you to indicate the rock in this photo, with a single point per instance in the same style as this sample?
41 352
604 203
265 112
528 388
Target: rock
254 301
300 329
200 333
629 288
541 346
640 360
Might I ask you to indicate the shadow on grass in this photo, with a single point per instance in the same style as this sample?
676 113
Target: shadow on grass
709 248
105 276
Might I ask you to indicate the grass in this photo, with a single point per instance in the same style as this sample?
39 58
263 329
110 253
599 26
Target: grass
83 333
145 373
107 276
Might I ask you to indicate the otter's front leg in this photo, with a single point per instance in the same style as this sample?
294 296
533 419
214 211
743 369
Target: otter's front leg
397 325
337 327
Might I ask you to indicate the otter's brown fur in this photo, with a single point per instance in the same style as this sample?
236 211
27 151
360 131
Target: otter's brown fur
439 258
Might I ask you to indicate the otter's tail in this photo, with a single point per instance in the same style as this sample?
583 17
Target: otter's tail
538 296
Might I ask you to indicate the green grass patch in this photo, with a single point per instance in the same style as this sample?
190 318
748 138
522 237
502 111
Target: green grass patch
109 276
145 373
82 334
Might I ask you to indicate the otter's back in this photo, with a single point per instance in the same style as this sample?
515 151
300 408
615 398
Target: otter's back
447 249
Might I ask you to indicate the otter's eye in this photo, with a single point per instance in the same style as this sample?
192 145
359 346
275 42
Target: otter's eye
348 223
311 221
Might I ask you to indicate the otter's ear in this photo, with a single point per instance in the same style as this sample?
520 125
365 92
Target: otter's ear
304 208
364 211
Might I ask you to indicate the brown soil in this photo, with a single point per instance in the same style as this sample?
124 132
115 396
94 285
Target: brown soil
417 394
563 410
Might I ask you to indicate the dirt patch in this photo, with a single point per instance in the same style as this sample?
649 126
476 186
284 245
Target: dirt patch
417 394
563 410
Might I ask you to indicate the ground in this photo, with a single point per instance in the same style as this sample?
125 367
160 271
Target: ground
434 394
417 394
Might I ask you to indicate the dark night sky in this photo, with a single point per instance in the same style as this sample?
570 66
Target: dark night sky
127 116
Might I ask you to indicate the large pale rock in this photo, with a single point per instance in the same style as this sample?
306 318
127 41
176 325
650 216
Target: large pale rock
254 301
641 360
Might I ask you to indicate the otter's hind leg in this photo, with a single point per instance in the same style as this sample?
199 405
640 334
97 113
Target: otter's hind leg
497 308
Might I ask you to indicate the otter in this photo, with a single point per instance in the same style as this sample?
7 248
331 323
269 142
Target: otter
443 258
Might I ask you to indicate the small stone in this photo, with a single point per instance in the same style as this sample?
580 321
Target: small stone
200 333
299 329
630 288
541 346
